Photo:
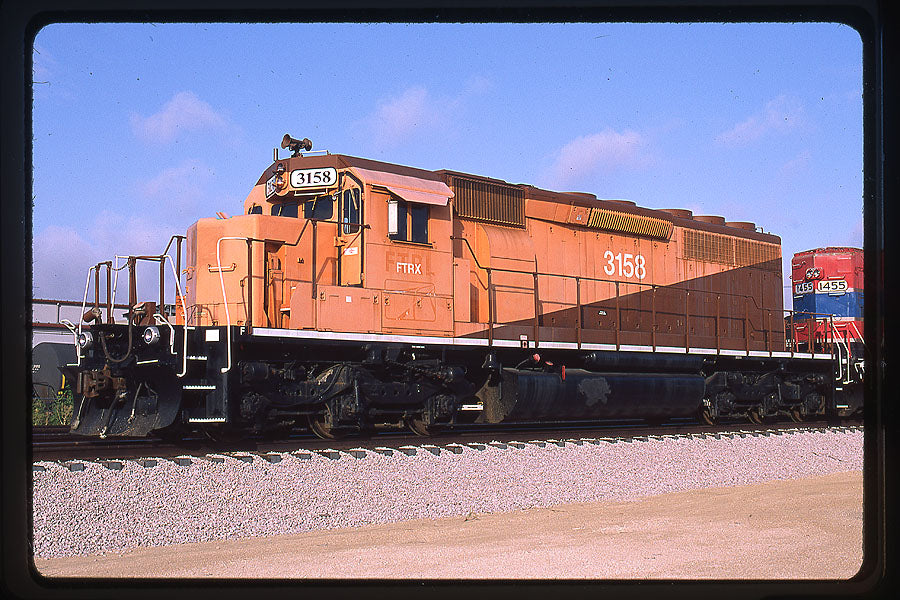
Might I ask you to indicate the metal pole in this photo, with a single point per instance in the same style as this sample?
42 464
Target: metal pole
618 317
687 329
718 341
132 283
537 311
811 335
793 331
490 310
178 264
314 244
162 284
249 321
579 315
830 334
97 286
109 304
653 316
747 325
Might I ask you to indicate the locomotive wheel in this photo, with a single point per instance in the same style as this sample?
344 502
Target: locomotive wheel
707 417
322 430
797 416
418 426
755 416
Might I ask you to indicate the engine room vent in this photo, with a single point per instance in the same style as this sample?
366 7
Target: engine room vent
611 220
748 252
489 202
728 250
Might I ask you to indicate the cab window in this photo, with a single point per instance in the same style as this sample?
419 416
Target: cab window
351 209
418 223
412 222
320 208
284 209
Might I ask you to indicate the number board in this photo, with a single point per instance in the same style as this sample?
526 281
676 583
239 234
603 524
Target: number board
835 287
270 187
832 286
307 178
804 288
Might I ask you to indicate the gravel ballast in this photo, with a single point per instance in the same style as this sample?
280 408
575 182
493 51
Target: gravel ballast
100 510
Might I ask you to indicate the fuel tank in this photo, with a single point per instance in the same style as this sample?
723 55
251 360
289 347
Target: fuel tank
527 395
637 362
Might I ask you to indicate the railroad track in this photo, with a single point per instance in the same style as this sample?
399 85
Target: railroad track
56 444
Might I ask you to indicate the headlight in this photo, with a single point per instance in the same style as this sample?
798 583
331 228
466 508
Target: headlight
151 335
85 340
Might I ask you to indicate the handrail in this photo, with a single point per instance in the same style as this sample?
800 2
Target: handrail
87 285
859 335
48 302
111 287
114 266
747 300
595 279
227 367
249 240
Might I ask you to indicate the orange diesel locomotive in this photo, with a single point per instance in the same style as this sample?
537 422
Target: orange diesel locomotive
354 294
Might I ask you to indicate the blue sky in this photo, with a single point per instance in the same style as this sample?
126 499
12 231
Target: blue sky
141 129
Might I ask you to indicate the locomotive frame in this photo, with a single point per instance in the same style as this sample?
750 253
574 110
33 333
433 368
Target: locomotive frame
465 310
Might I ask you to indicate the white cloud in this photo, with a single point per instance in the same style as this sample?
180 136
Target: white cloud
796 165
397 119
62 255
184 112
61 258
416 112
166 205
477 85
180 188
603 152
780 115
135 234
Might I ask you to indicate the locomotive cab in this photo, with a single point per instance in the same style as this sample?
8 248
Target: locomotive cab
330 243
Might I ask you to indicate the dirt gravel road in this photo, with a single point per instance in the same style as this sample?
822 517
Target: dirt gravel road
807 528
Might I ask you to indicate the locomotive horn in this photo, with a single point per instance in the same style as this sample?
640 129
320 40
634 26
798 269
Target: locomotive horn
296 145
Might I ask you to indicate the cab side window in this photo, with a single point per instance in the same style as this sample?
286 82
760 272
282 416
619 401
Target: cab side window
351 211
418 223
412 222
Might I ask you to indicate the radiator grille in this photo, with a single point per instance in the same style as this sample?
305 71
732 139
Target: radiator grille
489 202
728 250
610 220
748 252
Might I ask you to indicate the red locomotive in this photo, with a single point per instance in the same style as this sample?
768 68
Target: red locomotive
354 294
829 281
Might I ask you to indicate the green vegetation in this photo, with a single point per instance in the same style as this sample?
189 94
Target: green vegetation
54 411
